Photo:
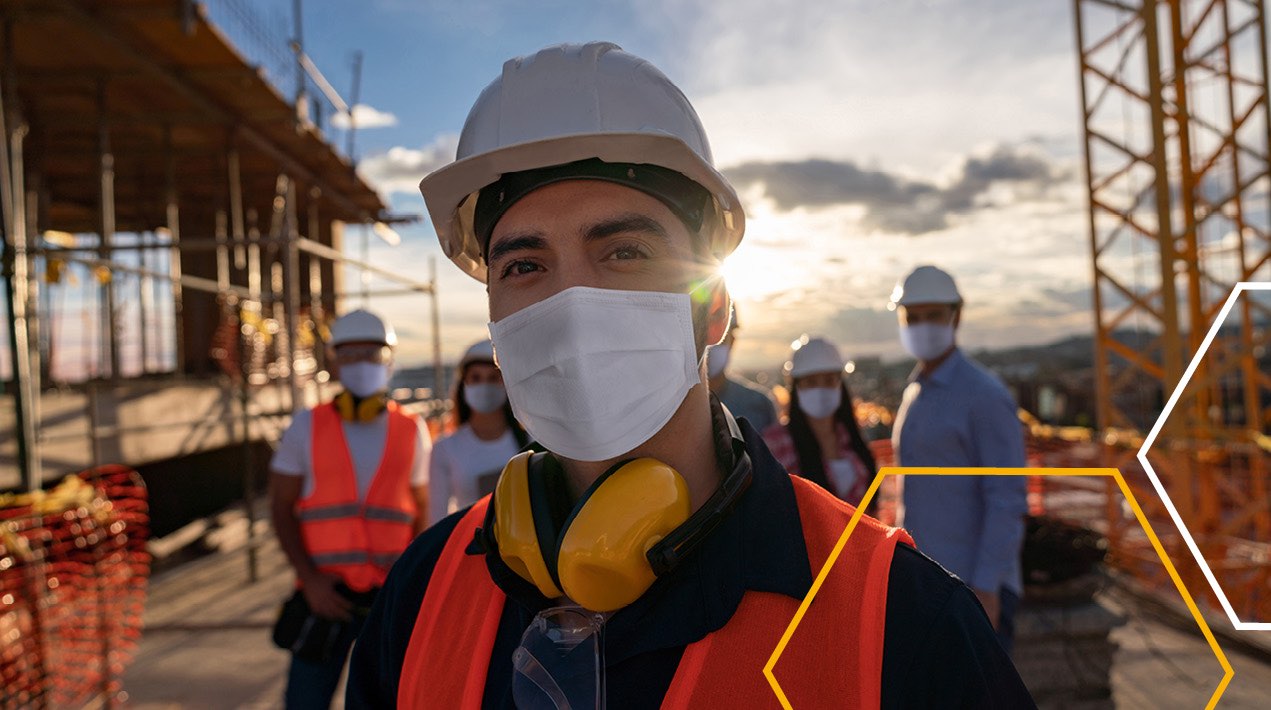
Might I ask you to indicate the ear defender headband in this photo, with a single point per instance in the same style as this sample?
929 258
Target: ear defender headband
687 199
630 527
352 410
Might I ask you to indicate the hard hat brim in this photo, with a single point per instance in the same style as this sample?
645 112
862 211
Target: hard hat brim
450 192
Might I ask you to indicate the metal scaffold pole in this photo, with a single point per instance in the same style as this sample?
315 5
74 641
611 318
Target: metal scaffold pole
16 267
106 238
439 385
291 293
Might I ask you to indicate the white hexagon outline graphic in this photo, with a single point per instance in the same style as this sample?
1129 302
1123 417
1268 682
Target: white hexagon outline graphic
1240 288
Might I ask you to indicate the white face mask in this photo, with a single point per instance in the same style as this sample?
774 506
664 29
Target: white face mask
820 402
593 373
485 397
717 359
364 379
927 341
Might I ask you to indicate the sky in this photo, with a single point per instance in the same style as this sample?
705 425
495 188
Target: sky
865 138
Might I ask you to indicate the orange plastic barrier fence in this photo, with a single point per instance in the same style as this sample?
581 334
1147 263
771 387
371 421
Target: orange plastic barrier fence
73 573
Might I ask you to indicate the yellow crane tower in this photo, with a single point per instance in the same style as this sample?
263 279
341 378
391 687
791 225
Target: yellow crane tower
1176 131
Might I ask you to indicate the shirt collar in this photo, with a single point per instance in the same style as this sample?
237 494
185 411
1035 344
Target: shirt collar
943 374
758 547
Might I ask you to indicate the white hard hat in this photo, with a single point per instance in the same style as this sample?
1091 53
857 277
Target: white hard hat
569 103
810 356
362 326
480 351
925 284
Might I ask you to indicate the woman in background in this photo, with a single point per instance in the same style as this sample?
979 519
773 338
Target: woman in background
821 440
467 463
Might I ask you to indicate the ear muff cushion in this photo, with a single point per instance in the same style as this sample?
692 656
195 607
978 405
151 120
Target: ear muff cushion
364 411
344 406
370 408
601 561
515 529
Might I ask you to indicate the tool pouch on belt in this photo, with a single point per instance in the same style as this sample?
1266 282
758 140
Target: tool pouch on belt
308 636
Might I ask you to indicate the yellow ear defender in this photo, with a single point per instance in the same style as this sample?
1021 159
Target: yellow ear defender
634 524
598 556
352 410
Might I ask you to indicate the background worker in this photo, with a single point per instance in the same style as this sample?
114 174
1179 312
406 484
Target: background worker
743 398
821 439
954 412
653 516
467 463
348 492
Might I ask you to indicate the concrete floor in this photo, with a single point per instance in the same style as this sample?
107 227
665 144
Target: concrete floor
206 642
1160 666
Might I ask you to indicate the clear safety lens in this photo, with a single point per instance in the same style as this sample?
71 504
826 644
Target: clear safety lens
560 664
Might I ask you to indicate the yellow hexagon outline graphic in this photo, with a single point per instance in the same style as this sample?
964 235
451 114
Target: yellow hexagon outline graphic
1228 671
1148 441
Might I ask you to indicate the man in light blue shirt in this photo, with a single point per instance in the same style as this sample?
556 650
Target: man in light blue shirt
955 413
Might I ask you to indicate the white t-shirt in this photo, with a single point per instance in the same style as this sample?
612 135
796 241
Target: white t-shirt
464 468
365 440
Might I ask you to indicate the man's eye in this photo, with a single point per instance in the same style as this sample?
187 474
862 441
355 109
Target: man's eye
628 251
519 267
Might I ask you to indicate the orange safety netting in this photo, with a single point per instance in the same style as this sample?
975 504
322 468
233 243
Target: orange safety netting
73 571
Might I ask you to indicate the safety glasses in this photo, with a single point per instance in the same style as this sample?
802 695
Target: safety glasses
560 664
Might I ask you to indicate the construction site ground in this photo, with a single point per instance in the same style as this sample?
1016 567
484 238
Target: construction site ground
206 643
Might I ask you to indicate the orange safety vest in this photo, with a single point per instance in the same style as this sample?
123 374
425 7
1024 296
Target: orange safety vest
359 541
835 655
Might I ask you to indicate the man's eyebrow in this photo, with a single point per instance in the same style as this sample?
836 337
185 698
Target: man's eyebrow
625 223
515 242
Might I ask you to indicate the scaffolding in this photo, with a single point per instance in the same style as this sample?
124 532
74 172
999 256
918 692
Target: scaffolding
174 239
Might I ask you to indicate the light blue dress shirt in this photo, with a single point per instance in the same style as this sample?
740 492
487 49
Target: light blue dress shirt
747 401
961 415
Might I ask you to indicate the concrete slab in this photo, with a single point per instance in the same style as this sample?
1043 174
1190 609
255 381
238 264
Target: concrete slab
206 641
1158 665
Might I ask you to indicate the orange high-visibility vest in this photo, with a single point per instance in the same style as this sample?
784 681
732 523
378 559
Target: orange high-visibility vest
359 540
834 657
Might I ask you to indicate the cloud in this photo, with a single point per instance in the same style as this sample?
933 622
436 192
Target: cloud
909 82
853 327
364 117
400 169
894 203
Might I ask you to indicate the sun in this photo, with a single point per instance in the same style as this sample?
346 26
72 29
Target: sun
754 274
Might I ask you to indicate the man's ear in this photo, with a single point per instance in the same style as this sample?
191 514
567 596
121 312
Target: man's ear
718 314
957 316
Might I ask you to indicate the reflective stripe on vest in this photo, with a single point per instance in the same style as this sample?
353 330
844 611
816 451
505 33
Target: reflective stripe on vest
329 512
835 656
358 540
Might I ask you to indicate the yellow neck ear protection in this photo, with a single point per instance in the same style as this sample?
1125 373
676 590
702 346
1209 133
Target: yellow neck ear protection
630 527
353 409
